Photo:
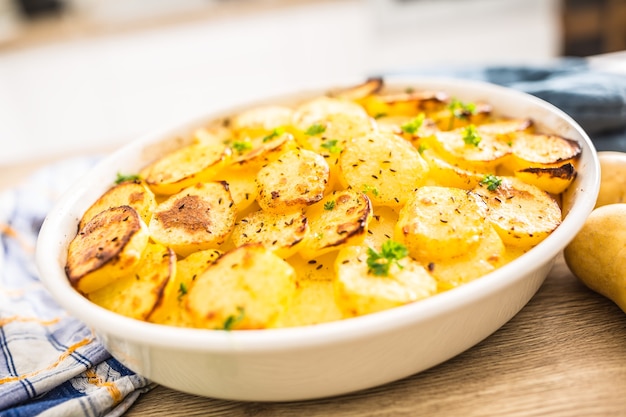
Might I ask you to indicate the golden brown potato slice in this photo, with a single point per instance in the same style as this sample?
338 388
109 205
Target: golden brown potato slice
359 291
261 121
241 184
171 309
197 218
486 257
340 219
441 222
215 133
470 148
281 233
136 295
522 214
385 166
254 152
443 173
246 288
295 180
381 227
185 167
107 248
127 193
317 111
409 103
459 114
534 150
554 180
505 126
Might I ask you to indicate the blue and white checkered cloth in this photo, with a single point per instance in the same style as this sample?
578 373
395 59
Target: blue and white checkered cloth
50 363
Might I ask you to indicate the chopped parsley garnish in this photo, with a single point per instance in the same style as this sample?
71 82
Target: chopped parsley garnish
491 181
182 290
413 125
315 129
331 145
471 136
232 320
241 146
421 148
126 177
379 115
275 133
329 205
369 188
378 263
461 110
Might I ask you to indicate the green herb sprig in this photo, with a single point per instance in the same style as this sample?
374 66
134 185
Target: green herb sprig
391 252
411 127
491 181
120 178
471 136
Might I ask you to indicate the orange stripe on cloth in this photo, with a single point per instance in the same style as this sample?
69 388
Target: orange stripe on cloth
94 379
56 363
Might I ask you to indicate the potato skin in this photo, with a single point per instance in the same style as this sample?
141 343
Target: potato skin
613 178
108 247
597 253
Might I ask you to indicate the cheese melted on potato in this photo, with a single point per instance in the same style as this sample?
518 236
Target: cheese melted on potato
342 205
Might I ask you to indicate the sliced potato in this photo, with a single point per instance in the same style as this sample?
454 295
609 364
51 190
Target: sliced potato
532 150
318 110
441 222
486 257
254 152
185 167
554 180
381 228
470 149
246 288
408 103
505 126
128 193
340 219
458 115
522 214
363 90
359 291
199 217
296 180
170 310
215 133
443 173
281 233
136 295
107 248
385 166
261 121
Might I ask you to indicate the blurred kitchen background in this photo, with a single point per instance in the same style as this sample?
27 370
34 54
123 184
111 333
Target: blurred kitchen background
79 76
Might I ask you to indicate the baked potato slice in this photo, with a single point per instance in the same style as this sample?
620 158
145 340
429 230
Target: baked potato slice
458 114
185 167
170 310
254 152
246 288
441 222
136 295
107 248
506 126
553 180
241 184
446 174
360 291
522 214
132 193
408 103
384 165
318 110
381 227
281 233
340 219
197 218
261 121
540 150
486 257
295 180
470 148
360 91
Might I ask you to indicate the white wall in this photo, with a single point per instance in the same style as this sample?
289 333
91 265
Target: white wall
96 93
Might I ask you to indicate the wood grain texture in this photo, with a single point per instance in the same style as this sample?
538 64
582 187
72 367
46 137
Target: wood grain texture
564 354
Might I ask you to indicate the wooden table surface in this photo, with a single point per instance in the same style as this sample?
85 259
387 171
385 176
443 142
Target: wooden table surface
564 354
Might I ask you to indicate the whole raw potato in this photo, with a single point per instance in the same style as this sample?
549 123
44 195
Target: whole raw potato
597 255
613 183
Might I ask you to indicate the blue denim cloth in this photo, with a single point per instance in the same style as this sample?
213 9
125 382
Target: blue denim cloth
595 99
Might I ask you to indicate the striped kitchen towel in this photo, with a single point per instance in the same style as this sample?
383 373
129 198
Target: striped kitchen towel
50 363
